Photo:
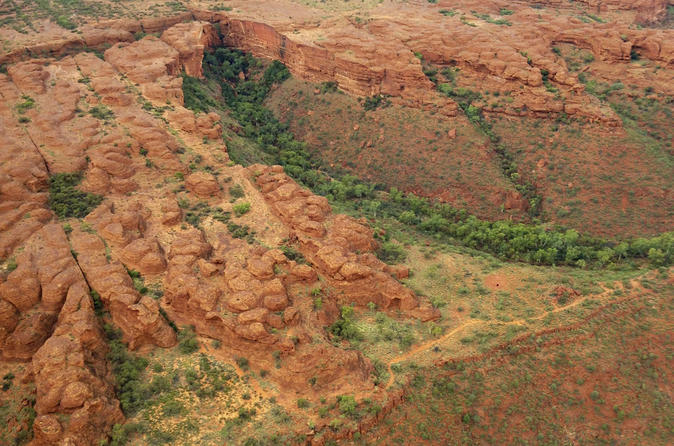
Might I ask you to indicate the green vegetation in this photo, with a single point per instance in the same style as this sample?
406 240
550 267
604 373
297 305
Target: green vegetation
375 102
128 368
101 112
27 104
466 99
197 98
344 327
197 212
241 209
390 252
539 243
187 341
487 18
236 191
66 201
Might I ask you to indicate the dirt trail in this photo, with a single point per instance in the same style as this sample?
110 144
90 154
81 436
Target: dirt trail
430 344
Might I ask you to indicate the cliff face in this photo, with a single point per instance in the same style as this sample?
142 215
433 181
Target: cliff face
381 55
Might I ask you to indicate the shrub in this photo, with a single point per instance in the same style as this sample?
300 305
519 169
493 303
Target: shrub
128 370
243 363
391 253
196 97
236 191
347 405
101 112
65 22
293 254
302 403
26 105
376 101
187 341
241 208
344 327
66 201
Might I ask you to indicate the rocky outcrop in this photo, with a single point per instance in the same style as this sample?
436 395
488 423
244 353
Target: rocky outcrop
202 184
137 316
378 57
23 177
53 134
206 124
75 397
339 246
191 39
152 64
48 316
36 290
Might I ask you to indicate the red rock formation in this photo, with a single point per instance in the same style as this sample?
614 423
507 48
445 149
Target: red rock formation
331 244
47 315
37 289
137 316
202 184
190 39
23 181
152 64
72 378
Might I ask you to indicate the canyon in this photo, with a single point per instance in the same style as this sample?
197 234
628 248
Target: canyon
184 236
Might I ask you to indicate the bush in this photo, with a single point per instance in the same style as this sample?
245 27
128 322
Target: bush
376 101
26 105
241 209
187 341
390 252
101 112
236 191
347 405
243 363
66 201
128 370
344 327
196 97
302 403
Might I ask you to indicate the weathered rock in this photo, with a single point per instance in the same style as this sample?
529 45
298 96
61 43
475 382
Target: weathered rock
137 317
202 184
145 256
190 39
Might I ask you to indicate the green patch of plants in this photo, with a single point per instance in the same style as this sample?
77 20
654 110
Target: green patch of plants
236 191
391 253
128 370
27 104
66 201
187 341
292 253
241 208
487 18
102 112
344 327
328 87
374 102
243 363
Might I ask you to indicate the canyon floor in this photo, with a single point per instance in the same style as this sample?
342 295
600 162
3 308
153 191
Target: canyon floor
336 222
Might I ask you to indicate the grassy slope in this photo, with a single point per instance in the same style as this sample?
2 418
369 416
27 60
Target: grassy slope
605 381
